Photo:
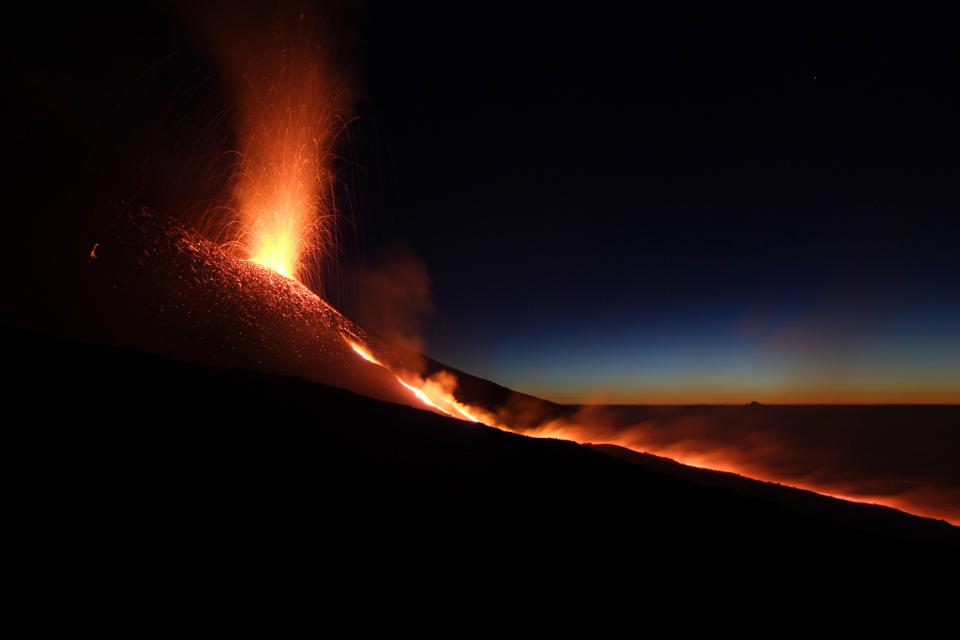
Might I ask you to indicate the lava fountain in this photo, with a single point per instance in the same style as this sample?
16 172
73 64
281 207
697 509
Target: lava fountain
284 186
292 103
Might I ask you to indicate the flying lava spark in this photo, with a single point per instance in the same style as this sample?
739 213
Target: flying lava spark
280 209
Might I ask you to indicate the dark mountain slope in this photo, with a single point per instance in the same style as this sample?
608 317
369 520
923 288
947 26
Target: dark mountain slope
145 494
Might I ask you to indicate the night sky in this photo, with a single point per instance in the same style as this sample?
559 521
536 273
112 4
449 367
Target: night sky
754 202
751 203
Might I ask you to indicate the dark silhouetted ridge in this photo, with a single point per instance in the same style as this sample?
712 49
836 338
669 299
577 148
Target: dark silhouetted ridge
149 494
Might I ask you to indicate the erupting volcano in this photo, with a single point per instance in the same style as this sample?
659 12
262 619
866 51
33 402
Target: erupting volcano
281 211
289 257
278 210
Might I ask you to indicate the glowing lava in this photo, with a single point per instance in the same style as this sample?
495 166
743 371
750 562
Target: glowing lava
363 352
430 392
421 396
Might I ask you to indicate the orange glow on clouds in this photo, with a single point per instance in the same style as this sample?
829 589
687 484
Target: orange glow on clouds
693 453
833 392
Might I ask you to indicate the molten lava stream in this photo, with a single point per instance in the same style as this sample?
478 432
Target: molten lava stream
444 399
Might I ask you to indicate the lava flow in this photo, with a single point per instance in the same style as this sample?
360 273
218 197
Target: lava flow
432 395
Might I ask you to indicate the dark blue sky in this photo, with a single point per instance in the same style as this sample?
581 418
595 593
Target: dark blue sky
741 203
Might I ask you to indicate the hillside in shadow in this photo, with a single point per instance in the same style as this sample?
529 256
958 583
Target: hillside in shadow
145 493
